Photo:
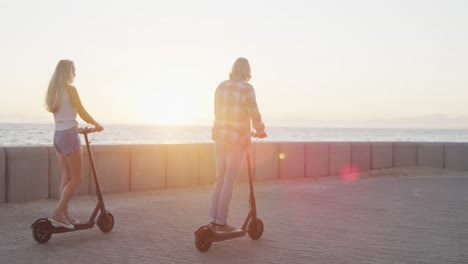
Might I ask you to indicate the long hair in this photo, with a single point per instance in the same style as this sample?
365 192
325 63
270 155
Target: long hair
240 70
64 75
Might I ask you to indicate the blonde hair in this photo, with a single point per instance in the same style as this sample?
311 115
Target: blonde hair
240 70
64 75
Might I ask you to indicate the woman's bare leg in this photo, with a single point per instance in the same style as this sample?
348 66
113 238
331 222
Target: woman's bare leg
65 174
73 162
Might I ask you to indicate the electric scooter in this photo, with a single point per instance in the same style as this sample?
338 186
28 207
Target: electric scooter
42 228
253 225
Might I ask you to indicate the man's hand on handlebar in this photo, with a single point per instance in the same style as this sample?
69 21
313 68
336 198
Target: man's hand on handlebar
259 134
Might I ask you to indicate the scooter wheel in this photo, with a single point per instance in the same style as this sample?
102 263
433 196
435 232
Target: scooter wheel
200 238
256 229
38 230
105 221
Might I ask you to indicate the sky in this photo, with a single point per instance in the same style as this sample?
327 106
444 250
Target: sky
336 63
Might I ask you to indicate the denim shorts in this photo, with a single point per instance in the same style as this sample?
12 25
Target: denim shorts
67 141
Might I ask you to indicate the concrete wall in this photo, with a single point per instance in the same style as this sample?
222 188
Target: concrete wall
430 155
339 158
2 175
291 160
112 168
206 164
182 165
27 173
31 173
316 159
147 167
360 157
381 155
456 156
404 154
266 161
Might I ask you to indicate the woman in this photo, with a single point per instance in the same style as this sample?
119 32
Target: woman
235 108
63 101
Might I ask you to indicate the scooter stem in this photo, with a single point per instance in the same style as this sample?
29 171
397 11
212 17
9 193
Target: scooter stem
93 168
253 205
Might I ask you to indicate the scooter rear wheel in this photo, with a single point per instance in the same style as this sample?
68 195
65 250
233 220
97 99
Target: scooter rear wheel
38 229
256 229
105 222
200 238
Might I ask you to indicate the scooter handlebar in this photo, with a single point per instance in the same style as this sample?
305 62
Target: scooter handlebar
86 130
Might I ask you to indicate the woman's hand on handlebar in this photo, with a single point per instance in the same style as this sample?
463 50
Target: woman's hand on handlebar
98 128
87 130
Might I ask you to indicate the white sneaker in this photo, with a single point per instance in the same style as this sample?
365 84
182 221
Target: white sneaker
62 222
226 229
72 220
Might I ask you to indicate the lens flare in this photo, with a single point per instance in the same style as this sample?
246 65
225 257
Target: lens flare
282 156
350 172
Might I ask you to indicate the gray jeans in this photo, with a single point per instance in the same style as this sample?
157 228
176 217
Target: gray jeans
228 166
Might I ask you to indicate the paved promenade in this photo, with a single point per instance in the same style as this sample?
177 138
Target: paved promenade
408 219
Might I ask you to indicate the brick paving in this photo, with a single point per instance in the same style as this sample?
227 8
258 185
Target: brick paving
410 219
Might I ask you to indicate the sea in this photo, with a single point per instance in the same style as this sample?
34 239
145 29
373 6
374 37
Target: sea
42 134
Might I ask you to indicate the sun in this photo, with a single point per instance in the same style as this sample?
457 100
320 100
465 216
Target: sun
169 107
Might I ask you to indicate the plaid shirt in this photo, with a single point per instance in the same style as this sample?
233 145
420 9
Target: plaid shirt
234 107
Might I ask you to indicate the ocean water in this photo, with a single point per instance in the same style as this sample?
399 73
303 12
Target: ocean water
42 134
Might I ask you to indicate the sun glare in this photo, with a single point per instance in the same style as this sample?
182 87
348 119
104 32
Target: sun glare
169 107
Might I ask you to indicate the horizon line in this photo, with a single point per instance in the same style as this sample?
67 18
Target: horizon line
273 126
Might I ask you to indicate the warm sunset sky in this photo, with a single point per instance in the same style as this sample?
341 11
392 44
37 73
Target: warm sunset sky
314 63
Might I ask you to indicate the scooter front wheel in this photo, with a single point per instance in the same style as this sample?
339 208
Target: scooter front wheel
38 230
255 229
105 221
201 235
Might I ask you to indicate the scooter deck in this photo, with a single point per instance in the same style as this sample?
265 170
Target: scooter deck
224 236
81 226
